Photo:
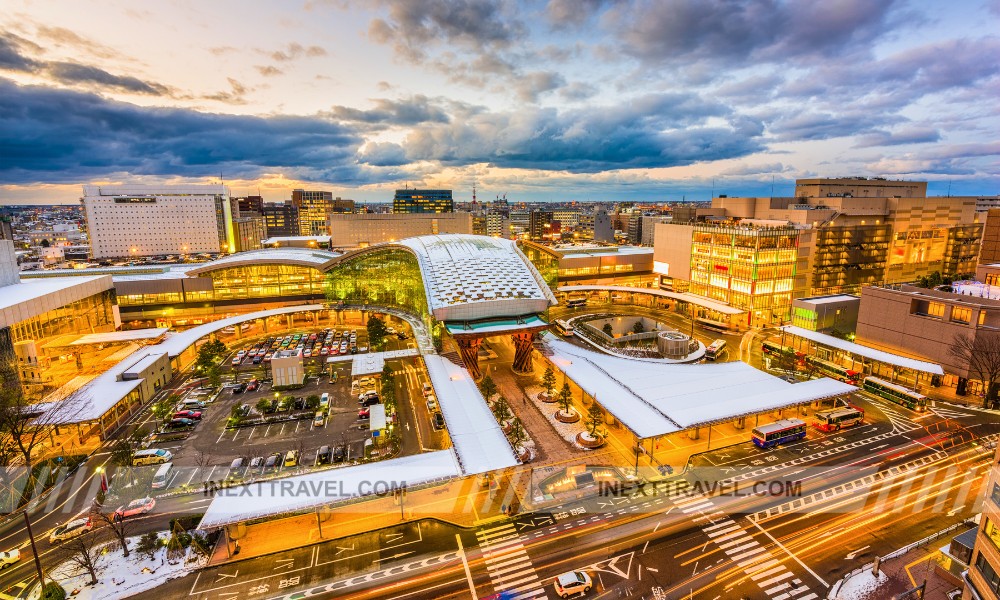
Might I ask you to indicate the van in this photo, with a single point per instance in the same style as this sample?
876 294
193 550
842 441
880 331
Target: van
292 458
163 476
192 404
324 400
151 457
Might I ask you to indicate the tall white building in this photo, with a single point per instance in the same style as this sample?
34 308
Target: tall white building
143 220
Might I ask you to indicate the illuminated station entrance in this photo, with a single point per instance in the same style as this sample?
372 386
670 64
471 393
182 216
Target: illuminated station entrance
522 330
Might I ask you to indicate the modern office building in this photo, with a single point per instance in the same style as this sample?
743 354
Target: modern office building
248 206
409 201
596 227
497 224
360 230
140 220
989 251
647 228
982 580
540 224
588 264
827 314
281 219
248 233
313 208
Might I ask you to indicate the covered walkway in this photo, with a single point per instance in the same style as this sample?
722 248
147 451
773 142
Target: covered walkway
853 349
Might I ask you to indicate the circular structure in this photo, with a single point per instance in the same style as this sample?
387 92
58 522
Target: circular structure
673 344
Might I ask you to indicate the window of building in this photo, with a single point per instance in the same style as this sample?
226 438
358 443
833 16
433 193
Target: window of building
935 309
982 317
961 314
995 495
988 572
991 531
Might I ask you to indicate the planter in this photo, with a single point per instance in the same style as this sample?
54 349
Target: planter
584 439
524 456
546 398
505 427
571 417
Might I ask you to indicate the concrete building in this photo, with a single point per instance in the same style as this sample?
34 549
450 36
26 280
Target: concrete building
989 251
6 231
360 230
297 241
583 264
313 208
141 220
596 226
248 233
248 206
827 314
281 219
540 224
497 224
422 201
982 580
287 368
924 324
648 228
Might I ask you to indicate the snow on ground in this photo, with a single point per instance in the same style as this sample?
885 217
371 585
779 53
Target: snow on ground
566 431
120 577
861 586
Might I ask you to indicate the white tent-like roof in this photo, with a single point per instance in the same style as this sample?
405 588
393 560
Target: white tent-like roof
859 350
654 399
479 443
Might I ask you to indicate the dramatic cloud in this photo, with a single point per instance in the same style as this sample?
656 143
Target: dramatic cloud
909 135
65 136
268 70
296 50
412 111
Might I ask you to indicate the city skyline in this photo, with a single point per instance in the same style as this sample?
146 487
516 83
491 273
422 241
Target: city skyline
540 101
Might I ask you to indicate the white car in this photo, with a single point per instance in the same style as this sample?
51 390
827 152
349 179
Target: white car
70 530
573 582
9 558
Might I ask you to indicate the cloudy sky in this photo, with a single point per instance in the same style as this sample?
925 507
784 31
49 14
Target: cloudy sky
547 100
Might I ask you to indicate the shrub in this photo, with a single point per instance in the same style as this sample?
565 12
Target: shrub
53 591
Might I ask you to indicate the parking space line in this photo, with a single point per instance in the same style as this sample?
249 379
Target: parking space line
252 429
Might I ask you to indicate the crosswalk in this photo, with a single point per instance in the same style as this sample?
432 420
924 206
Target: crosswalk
507 563
901 423
756 561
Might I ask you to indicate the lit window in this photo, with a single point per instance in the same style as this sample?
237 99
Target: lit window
961 314
935 309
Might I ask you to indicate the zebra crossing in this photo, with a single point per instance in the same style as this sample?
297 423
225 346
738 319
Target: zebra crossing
756 561
507 562
901 423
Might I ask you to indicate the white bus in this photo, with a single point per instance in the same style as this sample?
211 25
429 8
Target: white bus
163 476
779 432
151 457
576 302
834 420
715 349
564 328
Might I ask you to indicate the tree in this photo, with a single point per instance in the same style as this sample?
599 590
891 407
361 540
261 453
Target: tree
388 375
53 591
46 243
488 387
214 374
982 355
163 408
517 435
565 399
638 327
376 332
595 418
608 330
263 405
786 360
312 402
148 544
118 526
501 409
548 380
83 551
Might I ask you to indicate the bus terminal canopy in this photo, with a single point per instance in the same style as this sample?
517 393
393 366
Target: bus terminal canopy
859 350
653 399
683 297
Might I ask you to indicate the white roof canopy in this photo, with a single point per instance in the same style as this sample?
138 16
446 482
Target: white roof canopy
652 398
683 297
859 350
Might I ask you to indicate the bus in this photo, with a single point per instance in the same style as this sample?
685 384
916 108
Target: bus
779 432
774 349
834 371
895 393
564 328
576 302
715 349
837 418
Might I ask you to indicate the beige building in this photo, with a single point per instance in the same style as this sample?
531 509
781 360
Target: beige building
248 233
982 580
362 230
989 253
287 368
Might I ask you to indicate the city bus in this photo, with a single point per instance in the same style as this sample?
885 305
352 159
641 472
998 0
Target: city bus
895 393
779 432
564 328
715 349
775 349
834 371
576 302
837 418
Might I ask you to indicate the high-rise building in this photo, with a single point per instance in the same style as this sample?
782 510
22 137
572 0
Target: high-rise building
989 252
497 224
142 220
982 580
540 224
423 201
249 232
648 228
342 206
313 207
248 206
281 219
478 223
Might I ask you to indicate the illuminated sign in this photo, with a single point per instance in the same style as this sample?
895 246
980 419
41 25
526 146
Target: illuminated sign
135 200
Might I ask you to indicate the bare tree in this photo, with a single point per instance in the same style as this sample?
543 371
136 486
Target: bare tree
119 526
83 551
982 355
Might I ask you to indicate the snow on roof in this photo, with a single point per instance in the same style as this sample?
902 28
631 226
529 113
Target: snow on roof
322 488
371 364
376 417
686 296
126 335
306 257
830 299
858 349
571 251
320 239
178 342
34 297
478 441
466 269
653 398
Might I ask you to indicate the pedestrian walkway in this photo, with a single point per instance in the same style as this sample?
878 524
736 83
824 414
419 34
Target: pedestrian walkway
507 562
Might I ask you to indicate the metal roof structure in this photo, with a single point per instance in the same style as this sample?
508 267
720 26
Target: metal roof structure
859 350
683 297
304 257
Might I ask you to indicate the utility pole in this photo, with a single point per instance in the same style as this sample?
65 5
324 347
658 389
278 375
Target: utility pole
34 550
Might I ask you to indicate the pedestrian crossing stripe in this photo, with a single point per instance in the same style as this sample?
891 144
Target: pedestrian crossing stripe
507 562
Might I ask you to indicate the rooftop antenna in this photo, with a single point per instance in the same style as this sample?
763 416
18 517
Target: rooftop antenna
713 188
772 187
949 188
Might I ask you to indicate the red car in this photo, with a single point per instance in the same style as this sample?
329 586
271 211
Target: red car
253 385
364 413
194 415
135 507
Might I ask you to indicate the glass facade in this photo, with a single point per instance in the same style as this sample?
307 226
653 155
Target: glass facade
93 314
547 265
242 282
385 277
423 201
752 269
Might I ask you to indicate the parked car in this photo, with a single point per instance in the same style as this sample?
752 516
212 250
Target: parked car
432 404
370 400
367 394
573 582
139 506
427 389
273 462
299 403
256 463
239 389
244 410
364 413
70 530
438 420
194 415
323 455
319 419
179 423
338 454
237 468
292 458
253 385
9 558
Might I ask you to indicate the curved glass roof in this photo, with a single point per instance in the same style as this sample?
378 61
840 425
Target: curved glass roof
304 257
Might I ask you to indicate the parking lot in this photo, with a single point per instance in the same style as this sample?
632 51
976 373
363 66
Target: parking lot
213 443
